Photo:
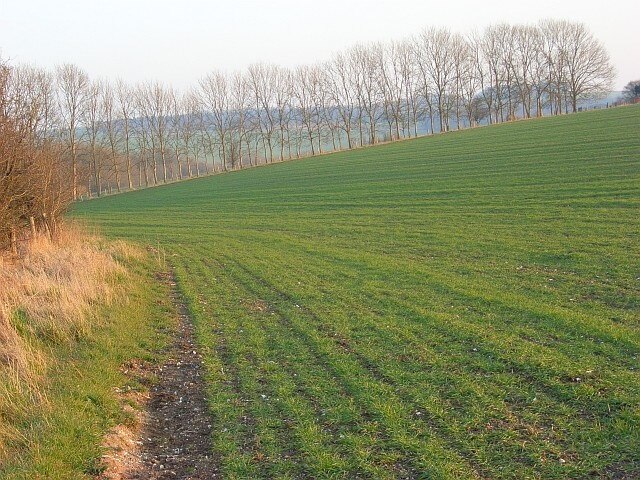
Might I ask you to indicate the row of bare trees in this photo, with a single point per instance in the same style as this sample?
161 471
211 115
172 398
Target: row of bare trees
118 137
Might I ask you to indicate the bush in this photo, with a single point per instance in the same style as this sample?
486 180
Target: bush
33 189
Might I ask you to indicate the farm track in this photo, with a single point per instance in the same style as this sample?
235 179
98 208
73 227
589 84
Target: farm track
174 438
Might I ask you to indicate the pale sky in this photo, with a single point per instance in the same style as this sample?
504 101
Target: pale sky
178 42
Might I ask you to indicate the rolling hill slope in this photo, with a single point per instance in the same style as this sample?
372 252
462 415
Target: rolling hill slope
459 306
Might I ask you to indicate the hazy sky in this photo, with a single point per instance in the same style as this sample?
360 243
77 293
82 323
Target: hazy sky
180 41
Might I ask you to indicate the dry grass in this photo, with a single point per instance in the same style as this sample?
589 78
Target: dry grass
48 297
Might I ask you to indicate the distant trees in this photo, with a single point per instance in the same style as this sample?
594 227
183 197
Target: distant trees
631 91
114 136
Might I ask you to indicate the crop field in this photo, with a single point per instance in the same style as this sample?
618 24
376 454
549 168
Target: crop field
459 306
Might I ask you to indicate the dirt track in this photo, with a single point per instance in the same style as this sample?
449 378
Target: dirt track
171 438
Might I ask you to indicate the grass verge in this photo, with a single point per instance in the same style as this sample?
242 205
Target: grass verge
72 315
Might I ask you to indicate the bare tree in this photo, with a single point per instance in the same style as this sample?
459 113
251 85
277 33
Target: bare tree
425 79
342 80
522 64
411 80
262 80
154 104
112 126
507 58
318 91
368 91
215 98
393 85
124 96
530 68
282 104
329 117
240 100
188 130
303 95
554 50
589 70
468 81
437 57
93 124
72 87
33 102
144 138
177 120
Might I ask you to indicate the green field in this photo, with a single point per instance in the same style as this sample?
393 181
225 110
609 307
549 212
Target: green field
459 306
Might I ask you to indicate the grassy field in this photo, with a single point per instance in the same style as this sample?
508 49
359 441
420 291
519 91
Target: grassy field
460 306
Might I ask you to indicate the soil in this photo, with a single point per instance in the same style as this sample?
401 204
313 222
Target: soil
169 436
